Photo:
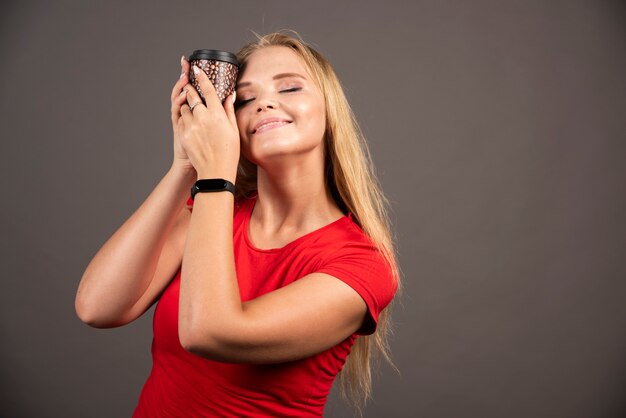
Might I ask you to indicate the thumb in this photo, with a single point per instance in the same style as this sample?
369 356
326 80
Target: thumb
229 107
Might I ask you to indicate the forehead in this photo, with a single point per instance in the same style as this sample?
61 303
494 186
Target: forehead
271 60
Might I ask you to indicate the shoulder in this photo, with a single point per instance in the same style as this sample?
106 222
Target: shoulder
347 238
356 260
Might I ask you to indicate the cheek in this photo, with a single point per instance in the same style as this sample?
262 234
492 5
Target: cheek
242 122
314 116
243 137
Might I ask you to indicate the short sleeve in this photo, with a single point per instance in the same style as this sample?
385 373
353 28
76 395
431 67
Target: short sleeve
363 268
189 204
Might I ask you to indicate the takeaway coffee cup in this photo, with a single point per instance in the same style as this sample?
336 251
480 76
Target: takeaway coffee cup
221 67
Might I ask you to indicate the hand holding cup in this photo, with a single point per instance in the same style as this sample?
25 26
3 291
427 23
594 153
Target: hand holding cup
210 136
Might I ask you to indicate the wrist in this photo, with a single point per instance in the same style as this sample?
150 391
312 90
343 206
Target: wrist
212 186
182 170
211 174
182 176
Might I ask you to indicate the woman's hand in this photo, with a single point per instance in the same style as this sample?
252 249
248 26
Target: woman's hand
209 135
178 99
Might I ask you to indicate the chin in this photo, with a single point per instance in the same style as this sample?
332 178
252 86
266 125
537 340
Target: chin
276 148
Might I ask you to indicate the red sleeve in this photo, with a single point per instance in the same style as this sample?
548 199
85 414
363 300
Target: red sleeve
189 204
364 269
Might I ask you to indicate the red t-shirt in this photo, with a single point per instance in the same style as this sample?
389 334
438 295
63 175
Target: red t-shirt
182 384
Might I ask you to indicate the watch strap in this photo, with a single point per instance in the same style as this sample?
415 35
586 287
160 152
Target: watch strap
211 185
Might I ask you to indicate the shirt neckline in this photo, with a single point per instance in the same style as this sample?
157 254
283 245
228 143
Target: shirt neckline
246 225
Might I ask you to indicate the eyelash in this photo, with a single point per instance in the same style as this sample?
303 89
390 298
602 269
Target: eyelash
245 102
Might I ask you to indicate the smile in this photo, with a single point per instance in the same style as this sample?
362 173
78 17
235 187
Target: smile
270 124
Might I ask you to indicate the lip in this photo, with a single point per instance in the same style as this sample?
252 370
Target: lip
266 121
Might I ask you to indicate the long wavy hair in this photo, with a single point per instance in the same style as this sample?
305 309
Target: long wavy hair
353 185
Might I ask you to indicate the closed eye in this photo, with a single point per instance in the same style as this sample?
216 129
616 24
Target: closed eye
240 103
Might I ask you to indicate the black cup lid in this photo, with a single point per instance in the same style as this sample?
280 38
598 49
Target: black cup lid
213 54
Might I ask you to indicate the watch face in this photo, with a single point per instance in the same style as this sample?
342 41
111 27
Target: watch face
210 184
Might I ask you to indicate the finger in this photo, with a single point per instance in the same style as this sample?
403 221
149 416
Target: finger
193 97
180 84
177 103
208 91
182 80
229 107
186 115
185 65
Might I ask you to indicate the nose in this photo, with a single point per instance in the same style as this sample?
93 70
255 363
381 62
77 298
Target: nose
266 102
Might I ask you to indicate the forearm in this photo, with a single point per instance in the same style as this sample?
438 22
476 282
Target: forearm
209 292
122 269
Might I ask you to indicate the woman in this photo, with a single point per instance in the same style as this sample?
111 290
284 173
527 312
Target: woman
261 292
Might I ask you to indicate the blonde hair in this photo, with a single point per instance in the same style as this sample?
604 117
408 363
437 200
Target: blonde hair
355 189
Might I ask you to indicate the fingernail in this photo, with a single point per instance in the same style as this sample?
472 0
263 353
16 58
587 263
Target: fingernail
182 60
234 96
196 70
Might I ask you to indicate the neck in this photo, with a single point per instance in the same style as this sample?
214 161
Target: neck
293 195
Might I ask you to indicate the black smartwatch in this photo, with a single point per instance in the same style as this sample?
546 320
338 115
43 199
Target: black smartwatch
212 185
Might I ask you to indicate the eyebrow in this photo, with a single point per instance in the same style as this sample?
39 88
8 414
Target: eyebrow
276 77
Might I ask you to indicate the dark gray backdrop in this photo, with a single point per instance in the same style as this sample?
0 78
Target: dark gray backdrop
497 128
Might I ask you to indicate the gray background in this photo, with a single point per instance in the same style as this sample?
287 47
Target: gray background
497 129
